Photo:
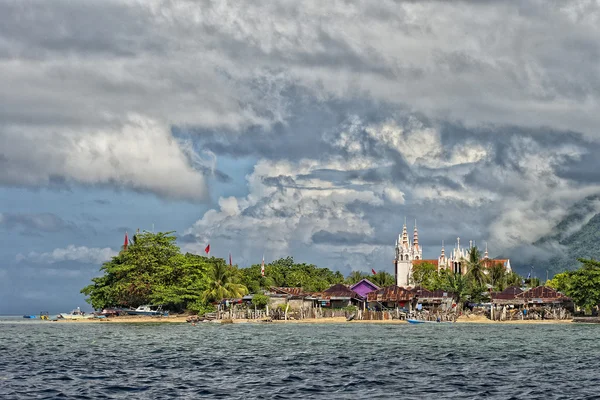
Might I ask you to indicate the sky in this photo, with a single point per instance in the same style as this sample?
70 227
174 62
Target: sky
310 129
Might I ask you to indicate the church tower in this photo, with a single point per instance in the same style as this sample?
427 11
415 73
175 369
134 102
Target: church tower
405 254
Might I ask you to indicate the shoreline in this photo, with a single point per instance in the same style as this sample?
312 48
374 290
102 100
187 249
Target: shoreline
181 319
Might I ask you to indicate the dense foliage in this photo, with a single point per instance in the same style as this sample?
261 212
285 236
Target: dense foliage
582 285
285 273
152 270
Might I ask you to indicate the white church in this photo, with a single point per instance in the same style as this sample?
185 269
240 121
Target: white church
409 254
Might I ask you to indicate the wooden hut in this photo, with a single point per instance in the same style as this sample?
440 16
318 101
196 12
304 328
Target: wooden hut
390 297
296 297
339 296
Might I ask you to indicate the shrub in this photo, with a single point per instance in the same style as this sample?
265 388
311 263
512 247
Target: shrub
260 300
201 308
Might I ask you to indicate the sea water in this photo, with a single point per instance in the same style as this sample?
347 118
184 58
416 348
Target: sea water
49 360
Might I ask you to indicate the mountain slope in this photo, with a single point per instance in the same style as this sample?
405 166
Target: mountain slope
576 236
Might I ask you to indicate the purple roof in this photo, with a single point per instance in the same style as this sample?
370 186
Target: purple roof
364 287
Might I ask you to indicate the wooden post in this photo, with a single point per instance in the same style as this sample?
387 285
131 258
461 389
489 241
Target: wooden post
287 306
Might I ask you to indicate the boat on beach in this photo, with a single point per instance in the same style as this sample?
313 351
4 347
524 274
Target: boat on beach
147 310
75 314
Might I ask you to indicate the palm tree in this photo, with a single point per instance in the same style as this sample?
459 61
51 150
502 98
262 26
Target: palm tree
355 277
475 269
514 279
383 279
457 285
222 284
497 277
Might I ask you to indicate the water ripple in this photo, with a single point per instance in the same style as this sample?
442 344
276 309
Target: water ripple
345 361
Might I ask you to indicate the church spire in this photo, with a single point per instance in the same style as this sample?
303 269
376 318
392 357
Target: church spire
486 251
416 236
404 235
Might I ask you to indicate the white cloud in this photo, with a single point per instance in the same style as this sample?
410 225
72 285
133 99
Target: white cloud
70 253
140 155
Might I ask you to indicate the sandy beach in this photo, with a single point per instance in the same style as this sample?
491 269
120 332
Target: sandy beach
473 319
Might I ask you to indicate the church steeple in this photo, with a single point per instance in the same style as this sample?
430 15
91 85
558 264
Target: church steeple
404 235
486 251
416 237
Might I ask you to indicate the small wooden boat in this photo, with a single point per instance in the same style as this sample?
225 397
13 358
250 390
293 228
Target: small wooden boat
30 316
419 321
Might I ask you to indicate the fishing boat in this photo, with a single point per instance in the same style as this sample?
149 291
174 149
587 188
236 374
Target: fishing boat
419 321
75 314
30 316
146 310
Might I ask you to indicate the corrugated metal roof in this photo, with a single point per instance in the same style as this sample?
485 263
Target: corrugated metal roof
339 291
507 294
541 292
294 291
391 293
424 293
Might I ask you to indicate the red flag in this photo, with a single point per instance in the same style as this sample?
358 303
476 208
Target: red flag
126 241
373 271
230 263
262 268
207 249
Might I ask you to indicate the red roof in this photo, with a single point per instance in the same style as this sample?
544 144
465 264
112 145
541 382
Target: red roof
417 262
490 262
542 292
507 294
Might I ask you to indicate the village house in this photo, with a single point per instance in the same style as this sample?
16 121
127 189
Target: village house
296 297
364 287
544 302
390 297
339 296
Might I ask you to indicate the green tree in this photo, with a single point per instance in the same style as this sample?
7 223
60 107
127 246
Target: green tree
286 273
129 278
222 282
497 277
457 284
533 282
584 284
513 279
181 282
383 279
477 293
355 277
560 282
475 269
425 275
260 300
